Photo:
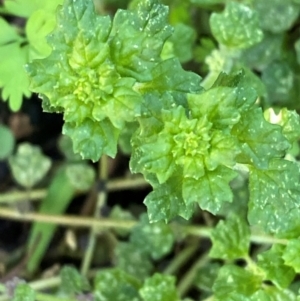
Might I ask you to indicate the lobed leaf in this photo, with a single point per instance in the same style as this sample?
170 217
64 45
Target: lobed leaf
24 292
236 27
155 239
276 270
116 285
231 239
132 260
291 254
259 140
72 282
274 198
159 288
235 283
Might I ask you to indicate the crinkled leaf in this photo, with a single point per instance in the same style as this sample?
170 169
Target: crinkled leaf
235 283
272 263
180 43
29 165
231 239
81 176
24 292
276 16
81 79
211 190
7 142
13 78
289 120
116 285
166 202
159 288
72 282
138 38
155 239
291 254
275 198
259 140
169 76
91 139
236 27
132 260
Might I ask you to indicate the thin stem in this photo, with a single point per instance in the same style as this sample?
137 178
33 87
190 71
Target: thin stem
38 194
180 259
106 223
46 297
187 280
18 196
66 220
101 200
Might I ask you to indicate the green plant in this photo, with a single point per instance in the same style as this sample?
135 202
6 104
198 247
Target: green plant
226 145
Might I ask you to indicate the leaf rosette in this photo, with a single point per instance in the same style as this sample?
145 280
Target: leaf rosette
91 75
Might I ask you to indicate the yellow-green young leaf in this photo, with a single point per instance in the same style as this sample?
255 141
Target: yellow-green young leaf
116 285
72 282
275 198
29 165
291 254
230 239
236 27
24 292
272 263
276 16
133 260
91 75
155 239
259 140
159 288
235 283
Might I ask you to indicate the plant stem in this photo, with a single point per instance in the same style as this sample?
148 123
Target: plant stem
46 297
38 194
101 200
180 259
106 223
187 280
